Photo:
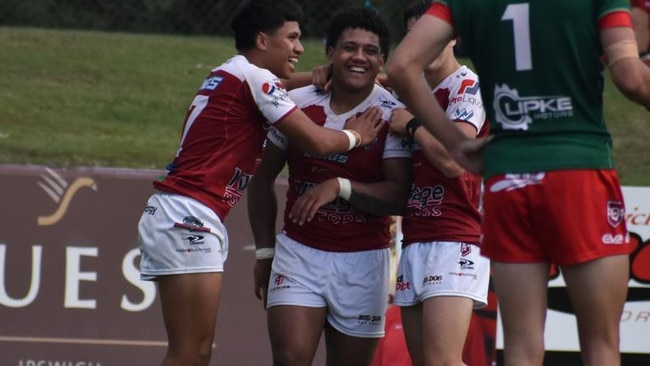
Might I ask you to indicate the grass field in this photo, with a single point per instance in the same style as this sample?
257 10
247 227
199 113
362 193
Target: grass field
71 98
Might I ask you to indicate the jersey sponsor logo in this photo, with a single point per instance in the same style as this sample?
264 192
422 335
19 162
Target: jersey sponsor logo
191 223
338 158
270 87
368 319
514 112
211 83
400 285
465 263
463 114
469 86
236 186
387 103
465 249
432 280
610 239
278 284
615 213
426 201
194 239
279 279
463 274
467 99
276 92
515 181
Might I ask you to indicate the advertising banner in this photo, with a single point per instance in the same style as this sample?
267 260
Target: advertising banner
70 293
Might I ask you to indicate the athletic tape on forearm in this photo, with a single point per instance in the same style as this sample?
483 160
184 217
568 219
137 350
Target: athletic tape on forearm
621 50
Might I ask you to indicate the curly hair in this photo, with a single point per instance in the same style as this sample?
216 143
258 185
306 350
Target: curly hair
364 18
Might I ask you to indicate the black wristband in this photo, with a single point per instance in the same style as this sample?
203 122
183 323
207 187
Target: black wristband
411 126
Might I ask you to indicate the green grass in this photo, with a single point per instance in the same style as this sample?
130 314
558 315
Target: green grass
76 98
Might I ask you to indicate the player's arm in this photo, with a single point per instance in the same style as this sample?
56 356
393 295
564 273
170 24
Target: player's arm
262 211
421 45
297 80
319 77
432 149
641 23
630 75
314 139
387 197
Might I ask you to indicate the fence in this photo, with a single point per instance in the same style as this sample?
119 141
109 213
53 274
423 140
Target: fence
188 17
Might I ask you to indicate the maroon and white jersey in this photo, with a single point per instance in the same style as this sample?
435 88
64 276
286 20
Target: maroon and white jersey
339 226
441 208
224 132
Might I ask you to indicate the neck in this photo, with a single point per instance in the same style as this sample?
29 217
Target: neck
344 100
436 75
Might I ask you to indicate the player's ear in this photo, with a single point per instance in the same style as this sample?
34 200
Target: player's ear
329 53
262 41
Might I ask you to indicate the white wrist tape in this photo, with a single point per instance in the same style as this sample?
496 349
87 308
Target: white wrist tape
354 137
264 253
345 188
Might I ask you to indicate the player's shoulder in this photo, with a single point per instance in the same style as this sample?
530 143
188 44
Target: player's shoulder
462 80
463 73
240 67
385 99
308 95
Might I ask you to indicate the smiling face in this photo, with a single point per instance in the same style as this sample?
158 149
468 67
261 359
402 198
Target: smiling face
283 49
356 59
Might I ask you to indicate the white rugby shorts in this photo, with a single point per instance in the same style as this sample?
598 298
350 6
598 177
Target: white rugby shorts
352 285
442 268
180 235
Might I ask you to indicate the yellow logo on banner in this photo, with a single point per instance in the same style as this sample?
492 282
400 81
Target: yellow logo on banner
61 192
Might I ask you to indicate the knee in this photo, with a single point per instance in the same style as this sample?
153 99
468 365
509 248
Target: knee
190 356
284 358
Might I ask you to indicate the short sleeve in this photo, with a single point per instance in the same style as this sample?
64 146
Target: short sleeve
270 95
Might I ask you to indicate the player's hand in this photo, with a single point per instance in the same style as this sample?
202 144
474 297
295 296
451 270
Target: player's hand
367 124
382 80
261 275
305 207
469 154
321 77
398 120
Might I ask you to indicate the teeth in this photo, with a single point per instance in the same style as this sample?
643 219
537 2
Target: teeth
357 69
293 60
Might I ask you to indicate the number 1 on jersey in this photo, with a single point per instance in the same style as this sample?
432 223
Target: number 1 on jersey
518 13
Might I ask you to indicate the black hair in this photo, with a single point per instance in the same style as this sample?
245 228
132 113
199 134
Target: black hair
364 18
254 16
416 9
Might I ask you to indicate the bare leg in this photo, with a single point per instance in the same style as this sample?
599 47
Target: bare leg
295 332
413 324
521 290
598 290
189 306
345 350
440 323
